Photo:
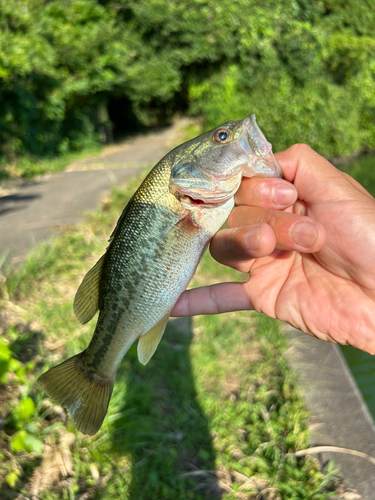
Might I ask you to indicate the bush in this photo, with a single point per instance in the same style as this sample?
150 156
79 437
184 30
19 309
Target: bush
306 81
307 69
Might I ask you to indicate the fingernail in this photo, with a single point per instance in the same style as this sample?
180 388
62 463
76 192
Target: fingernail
284 195
251 238
304 234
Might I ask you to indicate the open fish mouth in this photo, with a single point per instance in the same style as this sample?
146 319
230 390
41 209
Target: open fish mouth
201 201
203 189
213 198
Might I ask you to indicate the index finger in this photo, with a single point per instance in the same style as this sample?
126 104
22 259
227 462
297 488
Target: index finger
272 193
213 299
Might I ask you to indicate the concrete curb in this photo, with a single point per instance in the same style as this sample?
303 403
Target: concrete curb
340 416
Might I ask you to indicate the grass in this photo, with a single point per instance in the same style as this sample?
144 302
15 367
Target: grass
215 414
29 166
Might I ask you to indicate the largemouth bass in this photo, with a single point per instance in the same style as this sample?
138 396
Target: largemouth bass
152 255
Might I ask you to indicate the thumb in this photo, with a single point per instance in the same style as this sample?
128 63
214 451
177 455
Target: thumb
314 177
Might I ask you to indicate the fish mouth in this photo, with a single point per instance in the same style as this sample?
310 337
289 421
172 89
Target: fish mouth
215 194
193 201
199 199
253 143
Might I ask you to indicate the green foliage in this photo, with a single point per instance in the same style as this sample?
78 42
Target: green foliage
54 57
24 411
8 364
306 68
362 169
23 441
306 78
12 478
5 357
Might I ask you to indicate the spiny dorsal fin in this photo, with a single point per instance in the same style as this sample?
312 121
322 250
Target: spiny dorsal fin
121 219
148 343
86 301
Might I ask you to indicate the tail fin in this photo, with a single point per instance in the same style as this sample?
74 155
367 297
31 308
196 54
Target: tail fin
83 393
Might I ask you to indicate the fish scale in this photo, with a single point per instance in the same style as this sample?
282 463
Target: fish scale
152 255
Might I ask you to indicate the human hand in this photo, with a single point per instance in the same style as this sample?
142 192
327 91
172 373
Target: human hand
309 245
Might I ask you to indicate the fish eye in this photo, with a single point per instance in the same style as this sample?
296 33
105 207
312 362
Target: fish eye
222 136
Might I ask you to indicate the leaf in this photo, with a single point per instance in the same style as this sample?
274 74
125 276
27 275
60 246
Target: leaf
5 356
14 365
12 478
4 365
24 410
24 441
5 352
33 443
18 441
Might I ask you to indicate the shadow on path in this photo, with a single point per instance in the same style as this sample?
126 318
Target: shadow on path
14 202
161 425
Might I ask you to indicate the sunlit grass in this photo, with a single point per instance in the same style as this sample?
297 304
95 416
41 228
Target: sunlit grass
28 166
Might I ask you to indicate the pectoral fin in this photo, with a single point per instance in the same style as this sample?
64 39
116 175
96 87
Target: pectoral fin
86 301
148 343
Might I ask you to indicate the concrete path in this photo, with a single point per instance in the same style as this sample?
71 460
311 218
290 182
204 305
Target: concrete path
31 211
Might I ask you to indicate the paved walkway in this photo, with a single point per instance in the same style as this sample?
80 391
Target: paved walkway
32 210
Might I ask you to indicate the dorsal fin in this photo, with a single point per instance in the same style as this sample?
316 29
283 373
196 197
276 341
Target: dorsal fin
86 301
120 220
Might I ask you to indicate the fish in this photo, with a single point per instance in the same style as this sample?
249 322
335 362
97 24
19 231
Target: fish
152 255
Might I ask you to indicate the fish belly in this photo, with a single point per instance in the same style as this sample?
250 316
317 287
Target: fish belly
141 294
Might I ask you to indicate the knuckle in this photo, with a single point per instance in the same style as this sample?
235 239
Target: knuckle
232 218
300 149
186 305
230 240
272 220
214 299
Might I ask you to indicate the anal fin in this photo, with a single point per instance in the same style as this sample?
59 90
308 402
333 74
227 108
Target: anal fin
148 343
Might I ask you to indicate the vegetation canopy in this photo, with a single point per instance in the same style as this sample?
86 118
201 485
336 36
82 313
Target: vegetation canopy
71 70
